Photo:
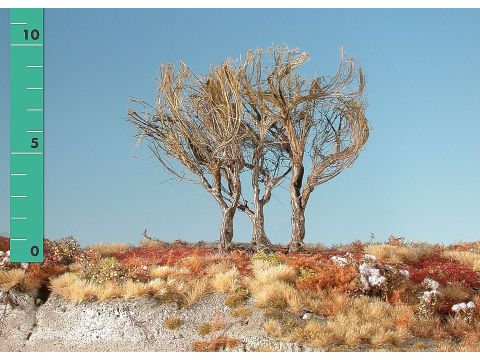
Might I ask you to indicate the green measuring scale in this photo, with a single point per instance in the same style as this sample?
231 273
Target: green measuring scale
26 135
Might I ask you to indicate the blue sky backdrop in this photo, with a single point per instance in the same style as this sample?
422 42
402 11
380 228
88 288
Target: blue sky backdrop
418 177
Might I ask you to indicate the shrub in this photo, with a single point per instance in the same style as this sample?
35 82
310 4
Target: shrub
64 251
269 258
103 270
329 276
4 258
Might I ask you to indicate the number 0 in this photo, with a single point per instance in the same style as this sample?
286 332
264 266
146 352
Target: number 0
34 251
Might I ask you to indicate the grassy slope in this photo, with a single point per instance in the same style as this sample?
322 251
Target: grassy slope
336 298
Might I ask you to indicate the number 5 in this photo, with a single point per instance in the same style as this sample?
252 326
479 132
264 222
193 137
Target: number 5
34 143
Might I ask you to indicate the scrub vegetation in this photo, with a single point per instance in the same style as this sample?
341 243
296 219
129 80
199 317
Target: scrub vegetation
391 296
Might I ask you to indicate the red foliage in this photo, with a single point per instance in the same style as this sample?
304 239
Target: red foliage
4 243
169 254
312 260
242 261
215 344
330 276
442 270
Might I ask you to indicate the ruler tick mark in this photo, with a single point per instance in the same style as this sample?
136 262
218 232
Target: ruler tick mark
26 153
18 196
18 174
34 110
18 239
18 218
34 88
26 44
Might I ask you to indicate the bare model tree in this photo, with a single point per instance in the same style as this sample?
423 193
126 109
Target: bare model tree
197 122
265 154
323 118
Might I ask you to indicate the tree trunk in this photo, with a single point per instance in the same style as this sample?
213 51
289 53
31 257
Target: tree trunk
298 210
259 238
298 226
226 230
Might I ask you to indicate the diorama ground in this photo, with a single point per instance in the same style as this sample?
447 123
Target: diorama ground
159 296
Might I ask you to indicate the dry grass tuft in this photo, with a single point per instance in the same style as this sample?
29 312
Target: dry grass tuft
152 243
197 290
108 249
173 323
165 272
456 292
266 272
326 302
241 312
226 281
237 298
467 258
133 289
108 291
398 253
218 267
277 294
274 328
11 278
427 327
362 320
264 349
205 329
161 272
71 287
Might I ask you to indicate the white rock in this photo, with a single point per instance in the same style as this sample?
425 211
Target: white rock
463 306
370 276
339 260
429 296
307 316
430 283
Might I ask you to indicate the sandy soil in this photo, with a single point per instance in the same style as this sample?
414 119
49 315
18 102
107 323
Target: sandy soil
119 325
